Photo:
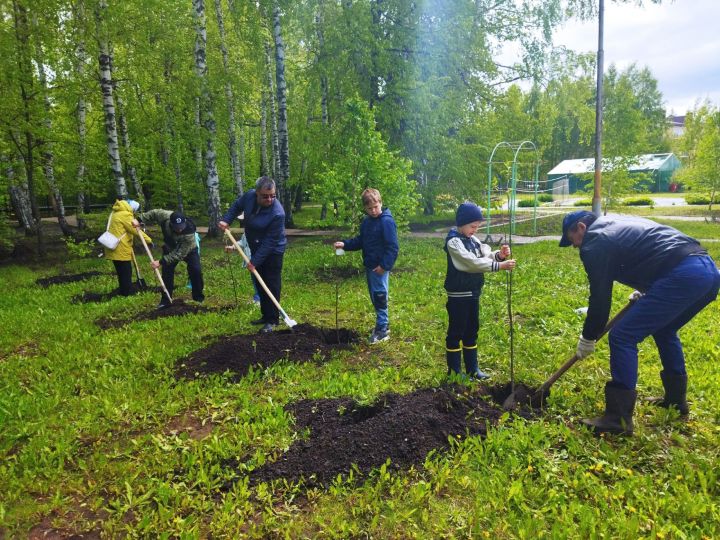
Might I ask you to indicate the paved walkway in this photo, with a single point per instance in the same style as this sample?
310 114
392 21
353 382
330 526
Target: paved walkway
440 233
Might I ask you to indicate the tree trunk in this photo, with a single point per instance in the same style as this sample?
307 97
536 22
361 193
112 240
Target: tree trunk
273 118
80 59
229 97
264 165
106 86
172 137
25 147
207 119
284 170
239 188
19 198
129 165
47 154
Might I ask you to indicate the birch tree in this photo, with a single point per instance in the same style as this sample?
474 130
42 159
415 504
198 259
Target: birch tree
25 140
283 174
207 119
230 98
108 101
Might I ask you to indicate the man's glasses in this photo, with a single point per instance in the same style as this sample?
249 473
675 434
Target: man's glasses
269 196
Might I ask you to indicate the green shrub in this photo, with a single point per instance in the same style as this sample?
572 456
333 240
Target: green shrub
545 197
525 203
583 202
700 198
638 201
444 202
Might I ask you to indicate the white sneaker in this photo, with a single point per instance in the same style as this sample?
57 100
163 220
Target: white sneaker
379 335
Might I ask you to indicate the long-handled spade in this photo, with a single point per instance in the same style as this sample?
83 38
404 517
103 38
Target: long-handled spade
520 394
157 271
142 285
287 319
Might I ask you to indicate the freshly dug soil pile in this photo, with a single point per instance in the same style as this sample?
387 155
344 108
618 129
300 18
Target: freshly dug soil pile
238 353
524 398
403 428
176 309
66 278
88 296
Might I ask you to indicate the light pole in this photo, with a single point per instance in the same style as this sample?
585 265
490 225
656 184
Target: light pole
596 206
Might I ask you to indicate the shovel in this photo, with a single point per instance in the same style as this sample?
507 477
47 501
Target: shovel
520 395
287 319
157 271
140 280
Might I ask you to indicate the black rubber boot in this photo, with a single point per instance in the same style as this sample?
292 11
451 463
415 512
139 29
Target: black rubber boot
470 356
675 393
619 407
453 361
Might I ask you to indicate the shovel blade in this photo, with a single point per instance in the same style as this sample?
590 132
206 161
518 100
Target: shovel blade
290 322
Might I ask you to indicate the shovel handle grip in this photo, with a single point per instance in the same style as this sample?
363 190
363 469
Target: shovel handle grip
567 365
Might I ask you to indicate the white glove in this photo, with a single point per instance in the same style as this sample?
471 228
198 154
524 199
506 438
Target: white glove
585 347
635 295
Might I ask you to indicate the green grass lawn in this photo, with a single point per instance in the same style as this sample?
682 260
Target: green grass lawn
86 416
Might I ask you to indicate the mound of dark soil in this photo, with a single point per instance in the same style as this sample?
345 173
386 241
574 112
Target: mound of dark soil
345 434
238 353
66 278
89 296
176 309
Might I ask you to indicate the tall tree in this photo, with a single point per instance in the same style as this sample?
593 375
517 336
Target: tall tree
207 119
230 99
108 100
283 174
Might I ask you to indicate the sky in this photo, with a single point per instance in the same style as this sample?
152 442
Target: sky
679 41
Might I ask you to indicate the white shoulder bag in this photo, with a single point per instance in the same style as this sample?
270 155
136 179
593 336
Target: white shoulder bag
108 239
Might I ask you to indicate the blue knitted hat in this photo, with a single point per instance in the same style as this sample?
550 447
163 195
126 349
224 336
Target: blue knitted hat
467 212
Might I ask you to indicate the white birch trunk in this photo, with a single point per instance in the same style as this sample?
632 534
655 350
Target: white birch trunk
108 100
264 164
129 164
46 153
282 129
273 120
207 119
239 187
229 97
19 197
80 59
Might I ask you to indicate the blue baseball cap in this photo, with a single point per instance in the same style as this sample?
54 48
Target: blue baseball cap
568 221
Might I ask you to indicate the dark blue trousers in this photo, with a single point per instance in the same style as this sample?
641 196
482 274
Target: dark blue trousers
667 306
463 322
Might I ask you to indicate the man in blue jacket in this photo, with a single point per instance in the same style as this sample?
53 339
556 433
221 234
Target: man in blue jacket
676 278
264 223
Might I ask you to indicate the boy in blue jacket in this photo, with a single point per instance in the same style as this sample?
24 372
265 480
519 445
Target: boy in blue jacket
467 261
379 243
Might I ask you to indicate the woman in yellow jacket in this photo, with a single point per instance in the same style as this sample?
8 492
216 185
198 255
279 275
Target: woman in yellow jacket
121 226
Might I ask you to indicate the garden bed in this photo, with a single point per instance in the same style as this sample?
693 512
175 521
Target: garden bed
237 354
176 309
67 278
345 435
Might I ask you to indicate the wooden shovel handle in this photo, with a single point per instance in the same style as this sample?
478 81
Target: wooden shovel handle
567 365
157 271
255 272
